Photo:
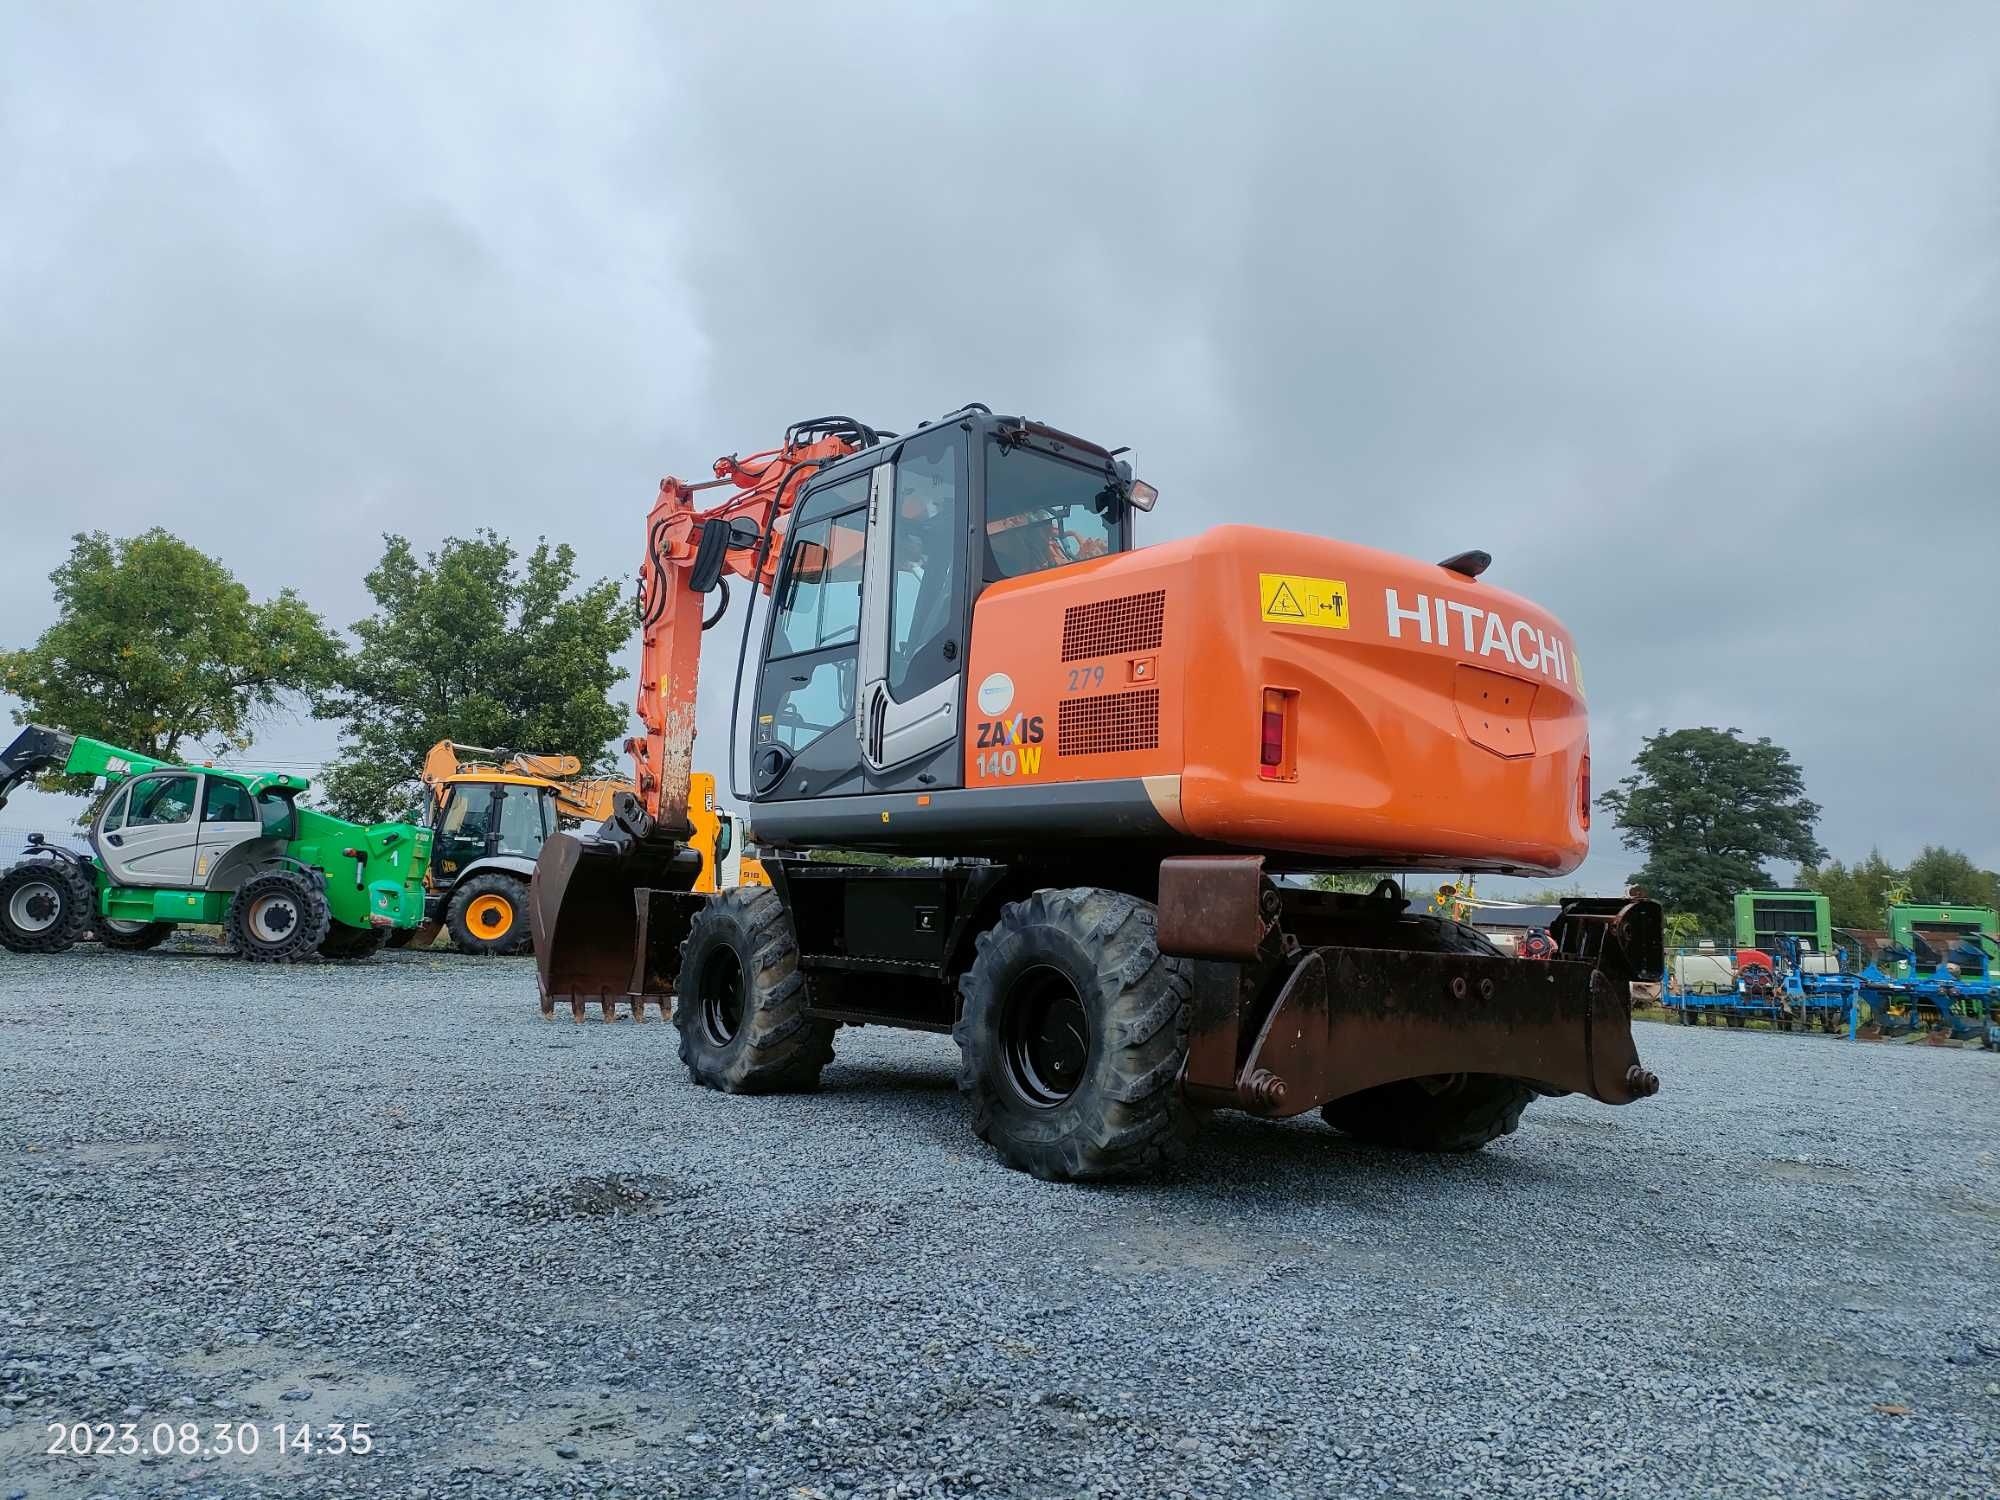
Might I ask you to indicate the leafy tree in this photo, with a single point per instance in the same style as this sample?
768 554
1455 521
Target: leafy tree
156 646
1681 929
1860 896
1709 808
1946 877
475 644
1353 883
1856 895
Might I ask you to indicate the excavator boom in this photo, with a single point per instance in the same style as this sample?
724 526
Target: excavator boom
581 902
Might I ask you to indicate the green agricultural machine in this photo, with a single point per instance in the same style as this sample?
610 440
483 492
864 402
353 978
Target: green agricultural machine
1932 934
1767 920
200 844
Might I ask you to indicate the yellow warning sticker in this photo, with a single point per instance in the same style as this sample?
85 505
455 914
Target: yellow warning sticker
1289 599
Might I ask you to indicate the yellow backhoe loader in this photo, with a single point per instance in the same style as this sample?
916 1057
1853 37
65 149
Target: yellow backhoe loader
492 810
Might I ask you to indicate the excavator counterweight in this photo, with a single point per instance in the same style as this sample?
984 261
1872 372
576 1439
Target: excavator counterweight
1014 776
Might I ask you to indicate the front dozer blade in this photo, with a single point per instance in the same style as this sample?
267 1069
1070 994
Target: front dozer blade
591 905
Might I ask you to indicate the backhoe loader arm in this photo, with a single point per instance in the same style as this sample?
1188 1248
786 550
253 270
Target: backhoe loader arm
744 531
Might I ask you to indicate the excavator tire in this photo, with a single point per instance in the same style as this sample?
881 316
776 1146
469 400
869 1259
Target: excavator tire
132 937
1071 1038
45 905
277 917
741 1001
348 944
488 916
1448 1112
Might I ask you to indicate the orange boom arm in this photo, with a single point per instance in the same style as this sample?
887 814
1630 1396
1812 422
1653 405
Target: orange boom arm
745 531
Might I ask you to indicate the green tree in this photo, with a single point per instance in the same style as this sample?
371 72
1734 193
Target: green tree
1857 895
1709 808
476 644
156 646
1946 877
1681 929
1352 882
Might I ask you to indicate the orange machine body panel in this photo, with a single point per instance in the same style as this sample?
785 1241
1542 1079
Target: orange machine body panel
1426 720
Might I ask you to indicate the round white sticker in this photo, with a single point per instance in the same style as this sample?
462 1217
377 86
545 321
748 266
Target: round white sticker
996 693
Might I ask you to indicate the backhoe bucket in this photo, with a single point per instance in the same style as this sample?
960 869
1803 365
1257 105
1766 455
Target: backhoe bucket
608 918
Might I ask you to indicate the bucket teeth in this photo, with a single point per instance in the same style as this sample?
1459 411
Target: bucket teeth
608 1006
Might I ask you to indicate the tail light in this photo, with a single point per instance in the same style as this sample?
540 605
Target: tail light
1583 793
1277 756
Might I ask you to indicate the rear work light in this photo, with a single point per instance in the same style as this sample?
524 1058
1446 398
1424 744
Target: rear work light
1277 756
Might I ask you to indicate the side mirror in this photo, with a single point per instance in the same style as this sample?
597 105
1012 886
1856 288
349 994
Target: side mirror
709 555
770 764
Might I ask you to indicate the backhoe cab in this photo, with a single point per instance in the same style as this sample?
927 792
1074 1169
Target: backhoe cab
492 811
1115 763
175 845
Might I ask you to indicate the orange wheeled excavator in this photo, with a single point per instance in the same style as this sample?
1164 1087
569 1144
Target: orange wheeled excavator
1116 764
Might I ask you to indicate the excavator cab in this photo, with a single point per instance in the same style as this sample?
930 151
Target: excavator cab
862 673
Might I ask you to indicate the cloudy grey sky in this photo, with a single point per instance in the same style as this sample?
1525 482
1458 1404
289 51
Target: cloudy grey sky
1692 318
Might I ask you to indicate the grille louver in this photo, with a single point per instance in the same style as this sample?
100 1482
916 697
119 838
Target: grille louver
1109 723
1114 627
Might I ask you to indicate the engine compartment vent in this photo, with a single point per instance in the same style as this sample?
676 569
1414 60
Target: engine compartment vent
1109 723
1114 627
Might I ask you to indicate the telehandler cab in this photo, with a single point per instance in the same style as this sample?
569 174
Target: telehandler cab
202 844
1115 760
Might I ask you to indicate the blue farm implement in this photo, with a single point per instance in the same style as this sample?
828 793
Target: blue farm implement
1957 999
1791 987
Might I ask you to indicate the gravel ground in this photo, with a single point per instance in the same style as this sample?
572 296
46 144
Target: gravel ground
534 1259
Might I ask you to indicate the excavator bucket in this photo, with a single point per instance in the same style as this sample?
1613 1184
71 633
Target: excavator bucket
608 916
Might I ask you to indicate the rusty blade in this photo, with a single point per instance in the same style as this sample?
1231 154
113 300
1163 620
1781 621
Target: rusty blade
1352 1018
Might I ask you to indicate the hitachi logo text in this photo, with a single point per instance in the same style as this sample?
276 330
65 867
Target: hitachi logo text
1481 632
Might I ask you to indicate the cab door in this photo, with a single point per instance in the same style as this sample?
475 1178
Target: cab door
229 817
147 834
803 743
913 621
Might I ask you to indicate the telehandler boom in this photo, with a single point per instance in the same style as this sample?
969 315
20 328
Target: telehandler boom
1115 763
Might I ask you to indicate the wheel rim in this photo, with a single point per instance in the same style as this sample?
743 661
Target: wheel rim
489 916
722 996
120 927
272 918
1047 1034
35 907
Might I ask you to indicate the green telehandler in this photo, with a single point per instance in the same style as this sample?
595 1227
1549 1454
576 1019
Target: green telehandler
179 844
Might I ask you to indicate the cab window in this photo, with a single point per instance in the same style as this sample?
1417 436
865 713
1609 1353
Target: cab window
274 813
821 606
523 822
159 800
462 833
925 544
1043 512
114 815
226 802
808 701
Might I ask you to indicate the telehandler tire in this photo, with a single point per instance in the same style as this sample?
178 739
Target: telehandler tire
131 937
46 905
277 917
349 944
740 1002
488 916
1447 1112
1071 1037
